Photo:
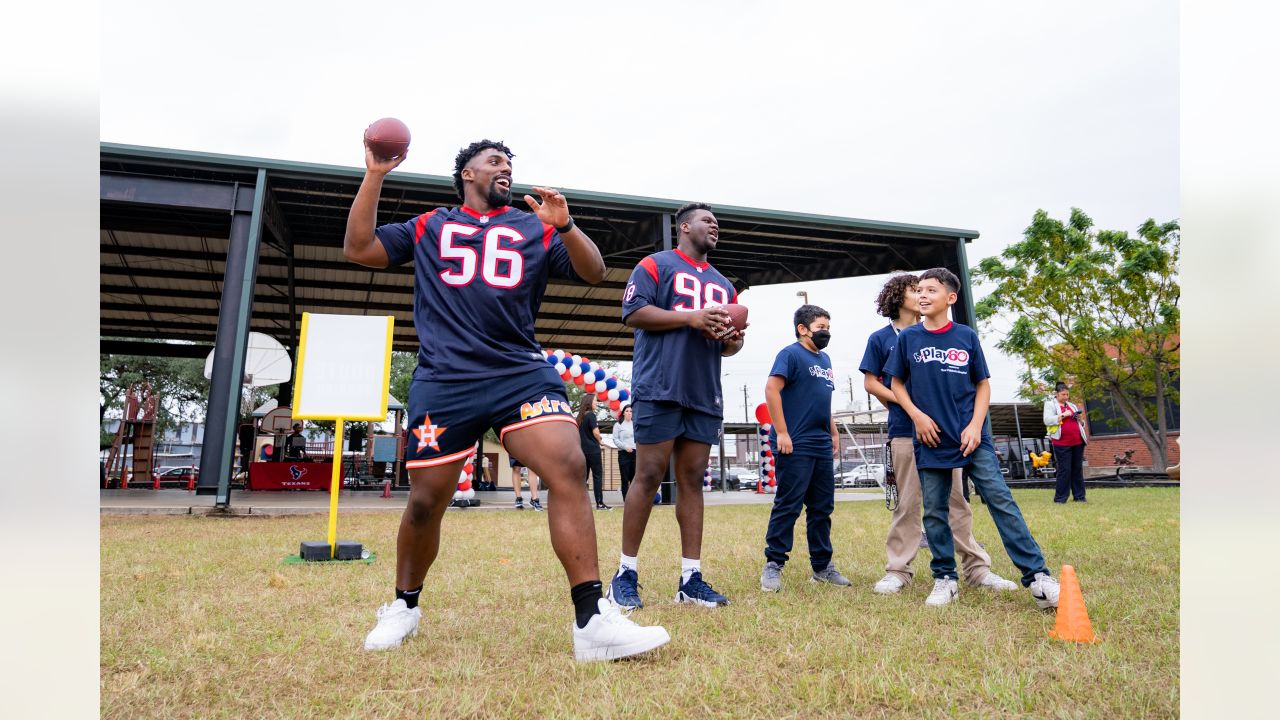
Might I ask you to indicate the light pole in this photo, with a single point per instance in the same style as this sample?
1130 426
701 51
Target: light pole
805 295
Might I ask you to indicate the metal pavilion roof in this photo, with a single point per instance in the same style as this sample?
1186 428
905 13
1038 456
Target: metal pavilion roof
166 217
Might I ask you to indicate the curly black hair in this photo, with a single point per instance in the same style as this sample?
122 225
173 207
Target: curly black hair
470 151
684 213
889 301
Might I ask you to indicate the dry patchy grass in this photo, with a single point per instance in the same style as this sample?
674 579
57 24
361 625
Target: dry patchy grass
201 619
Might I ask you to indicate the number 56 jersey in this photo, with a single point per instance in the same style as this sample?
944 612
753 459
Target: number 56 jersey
678 365
477 286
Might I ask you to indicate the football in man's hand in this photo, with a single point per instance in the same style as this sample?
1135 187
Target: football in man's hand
388 138
737 318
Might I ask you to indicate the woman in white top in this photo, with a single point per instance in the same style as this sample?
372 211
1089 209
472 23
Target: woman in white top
625 440
1067 435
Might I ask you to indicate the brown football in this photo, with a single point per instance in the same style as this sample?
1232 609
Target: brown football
388 138
737 318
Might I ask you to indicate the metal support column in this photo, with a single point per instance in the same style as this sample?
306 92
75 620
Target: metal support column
666 223
229 350
285 396
1022 453
964 311
965 314
668 487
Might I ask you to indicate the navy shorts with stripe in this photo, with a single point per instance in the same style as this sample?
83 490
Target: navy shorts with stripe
656 421
448 418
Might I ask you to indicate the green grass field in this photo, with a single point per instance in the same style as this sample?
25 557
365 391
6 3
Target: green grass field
201 619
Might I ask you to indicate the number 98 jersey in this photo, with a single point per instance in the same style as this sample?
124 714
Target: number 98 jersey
680 365
478 282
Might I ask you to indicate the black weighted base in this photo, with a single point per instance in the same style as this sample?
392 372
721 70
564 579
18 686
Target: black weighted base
319 551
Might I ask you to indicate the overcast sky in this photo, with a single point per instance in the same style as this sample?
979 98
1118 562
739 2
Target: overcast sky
969 115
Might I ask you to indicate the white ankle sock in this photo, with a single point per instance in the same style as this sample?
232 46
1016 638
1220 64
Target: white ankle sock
689 567
626 563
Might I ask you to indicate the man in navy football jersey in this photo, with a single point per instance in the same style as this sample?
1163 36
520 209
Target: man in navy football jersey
897 302
479 274
940 379
804 434
671 302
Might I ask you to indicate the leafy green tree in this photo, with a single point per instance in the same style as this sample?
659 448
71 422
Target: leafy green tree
1098 307
402 367
179 382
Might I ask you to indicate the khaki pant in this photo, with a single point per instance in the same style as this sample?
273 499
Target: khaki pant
906 526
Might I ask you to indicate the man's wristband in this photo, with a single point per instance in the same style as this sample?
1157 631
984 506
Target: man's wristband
564 230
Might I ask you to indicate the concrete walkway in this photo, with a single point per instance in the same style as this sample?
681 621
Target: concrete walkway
304 502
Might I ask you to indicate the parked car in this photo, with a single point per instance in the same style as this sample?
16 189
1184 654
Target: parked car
177 476
846 479
863 475
746 479
869 475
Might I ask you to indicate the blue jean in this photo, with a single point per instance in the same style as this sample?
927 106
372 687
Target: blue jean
809 481
984 470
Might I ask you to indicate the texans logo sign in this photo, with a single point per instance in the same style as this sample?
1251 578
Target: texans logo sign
297 472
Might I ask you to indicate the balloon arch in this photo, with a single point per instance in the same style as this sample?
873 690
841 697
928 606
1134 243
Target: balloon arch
581 371
605 385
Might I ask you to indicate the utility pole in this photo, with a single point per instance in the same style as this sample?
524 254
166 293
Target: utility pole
850 391
746 416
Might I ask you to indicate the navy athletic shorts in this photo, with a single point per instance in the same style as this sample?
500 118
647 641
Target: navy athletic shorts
448 418
657 421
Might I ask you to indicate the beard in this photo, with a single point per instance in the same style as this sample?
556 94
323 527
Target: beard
498 197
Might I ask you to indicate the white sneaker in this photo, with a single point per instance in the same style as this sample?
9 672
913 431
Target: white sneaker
992 581
395 623
611 636
944 591
1045 590
889 584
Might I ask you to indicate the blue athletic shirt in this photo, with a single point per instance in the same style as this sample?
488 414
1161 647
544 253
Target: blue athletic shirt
478 281
678 365
879 348
941 370
806 399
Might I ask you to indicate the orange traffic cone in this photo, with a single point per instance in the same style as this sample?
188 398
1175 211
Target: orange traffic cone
1073 619
386 489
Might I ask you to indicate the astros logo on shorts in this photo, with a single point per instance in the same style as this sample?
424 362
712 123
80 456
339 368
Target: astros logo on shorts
428 434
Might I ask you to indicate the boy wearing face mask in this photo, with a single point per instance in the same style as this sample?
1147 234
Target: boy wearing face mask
804 436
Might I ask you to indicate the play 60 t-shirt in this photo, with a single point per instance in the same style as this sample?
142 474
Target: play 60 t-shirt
941 370
806 399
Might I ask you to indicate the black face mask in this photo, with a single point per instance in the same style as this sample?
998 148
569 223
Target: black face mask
821 338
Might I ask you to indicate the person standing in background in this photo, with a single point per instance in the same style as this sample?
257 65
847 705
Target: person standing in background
516 467
624 439
1067 435
589 432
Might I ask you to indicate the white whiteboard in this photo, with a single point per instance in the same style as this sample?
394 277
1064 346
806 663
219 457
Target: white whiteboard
343 368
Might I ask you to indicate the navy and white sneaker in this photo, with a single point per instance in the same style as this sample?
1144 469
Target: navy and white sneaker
697 591
624 591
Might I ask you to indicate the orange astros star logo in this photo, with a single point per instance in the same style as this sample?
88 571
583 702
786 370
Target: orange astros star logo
428 434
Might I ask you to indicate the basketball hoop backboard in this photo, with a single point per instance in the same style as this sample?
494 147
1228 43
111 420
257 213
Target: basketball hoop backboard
278 419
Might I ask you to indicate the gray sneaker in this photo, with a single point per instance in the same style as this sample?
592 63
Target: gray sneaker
771 577
830 574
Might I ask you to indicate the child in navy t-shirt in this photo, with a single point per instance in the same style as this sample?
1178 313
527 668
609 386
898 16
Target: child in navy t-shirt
940 378
804 438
